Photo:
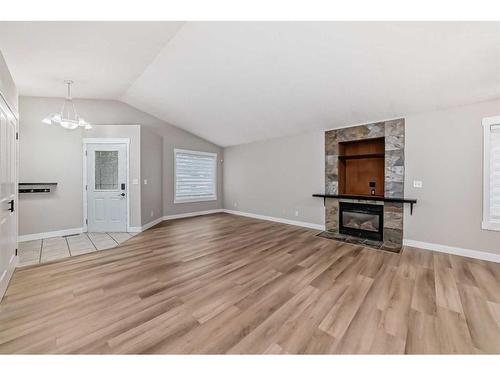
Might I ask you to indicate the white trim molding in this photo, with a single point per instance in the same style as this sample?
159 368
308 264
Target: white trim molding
106 140
177 216
134 229
151 224
277 219
191 214
6 276
57 233
490 124
126 142
468 253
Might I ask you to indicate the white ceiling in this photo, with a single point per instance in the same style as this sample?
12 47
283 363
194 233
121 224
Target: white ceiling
103 58
237 82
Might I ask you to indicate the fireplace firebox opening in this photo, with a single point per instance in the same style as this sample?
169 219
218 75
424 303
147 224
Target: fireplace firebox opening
362 220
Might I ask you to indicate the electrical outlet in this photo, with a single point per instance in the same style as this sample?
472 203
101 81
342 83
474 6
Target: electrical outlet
417 184
145 182
152 213
235 204
296 212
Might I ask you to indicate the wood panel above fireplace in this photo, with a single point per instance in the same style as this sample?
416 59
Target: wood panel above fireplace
362 167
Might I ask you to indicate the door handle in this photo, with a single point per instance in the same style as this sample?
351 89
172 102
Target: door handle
11 203
122 194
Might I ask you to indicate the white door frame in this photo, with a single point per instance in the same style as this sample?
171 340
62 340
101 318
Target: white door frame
86 141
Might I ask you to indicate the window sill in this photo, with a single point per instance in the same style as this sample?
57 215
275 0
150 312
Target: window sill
193 200
491 225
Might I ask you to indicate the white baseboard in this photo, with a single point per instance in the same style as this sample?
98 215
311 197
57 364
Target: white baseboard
7 275
277 219
57 233
151 224
177 216
135 229
191 214
482 255
67 232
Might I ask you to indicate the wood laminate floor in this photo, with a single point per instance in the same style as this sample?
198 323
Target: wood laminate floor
228 284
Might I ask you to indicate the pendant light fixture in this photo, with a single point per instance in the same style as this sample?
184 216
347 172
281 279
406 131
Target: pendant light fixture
68 117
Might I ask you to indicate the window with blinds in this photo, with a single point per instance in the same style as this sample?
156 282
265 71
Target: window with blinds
195 176
491 206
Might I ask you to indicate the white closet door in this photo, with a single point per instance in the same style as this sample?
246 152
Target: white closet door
8 195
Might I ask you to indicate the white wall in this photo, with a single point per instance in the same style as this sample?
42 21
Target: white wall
53 154
443 149
277 177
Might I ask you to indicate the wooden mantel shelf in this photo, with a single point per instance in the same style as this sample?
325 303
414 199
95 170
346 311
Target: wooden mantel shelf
368 198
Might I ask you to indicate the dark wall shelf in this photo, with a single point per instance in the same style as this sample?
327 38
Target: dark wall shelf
362 156
36 187
368 198
24 191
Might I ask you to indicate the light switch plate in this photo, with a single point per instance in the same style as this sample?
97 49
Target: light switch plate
417 184
145 182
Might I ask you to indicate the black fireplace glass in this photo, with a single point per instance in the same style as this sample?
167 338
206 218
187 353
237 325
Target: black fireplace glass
362 220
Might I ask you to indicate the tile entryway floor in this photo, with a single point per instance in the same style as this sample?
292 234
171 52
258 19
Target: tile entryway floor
48 249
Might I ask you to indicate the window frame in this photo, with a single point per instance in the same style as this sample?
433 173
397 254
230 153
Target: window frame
488 223
195 199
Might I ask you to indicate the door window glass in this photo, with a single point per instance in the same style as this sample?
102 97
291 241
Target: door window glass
106 170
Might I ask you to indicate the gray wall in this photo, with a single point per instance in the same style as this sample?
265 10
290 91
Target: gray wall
151 170
55 154
443 149
176 138
277 177
48 154
7 87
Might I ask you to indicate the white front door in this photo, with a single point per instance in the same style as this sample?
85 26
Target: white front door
107 187
8 195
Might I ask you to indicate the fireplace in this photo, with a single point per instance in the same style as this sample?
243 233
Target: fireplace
361 220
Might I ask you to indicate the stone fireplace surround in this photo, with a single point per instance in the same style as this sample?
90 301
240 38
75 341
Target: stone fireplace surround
394 133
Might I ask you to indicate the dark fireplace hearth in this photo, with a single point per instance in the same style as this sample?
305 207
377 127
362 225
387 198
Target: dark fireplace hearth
361 220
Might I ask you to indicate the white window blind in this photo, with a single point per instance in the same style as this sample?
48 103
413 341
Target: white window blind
195 176
491 174
495 173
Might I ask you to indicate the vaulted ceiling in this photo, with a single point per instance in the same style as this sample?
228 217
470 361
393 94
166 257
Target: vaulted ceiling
238 82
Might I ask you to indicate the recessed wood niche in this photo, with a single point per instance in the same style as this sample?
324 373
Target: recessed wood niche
361 167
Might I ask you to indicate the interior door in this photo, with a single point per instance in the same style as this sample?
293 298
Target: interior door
107 187
8 195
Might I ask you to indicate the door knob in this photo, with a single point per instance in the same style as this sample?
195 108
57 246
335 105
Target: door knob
122 194
11 203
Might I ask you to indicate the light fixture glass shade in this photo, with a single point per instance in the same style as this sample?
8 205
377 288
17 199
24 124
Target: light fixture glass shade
71 125
68 117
